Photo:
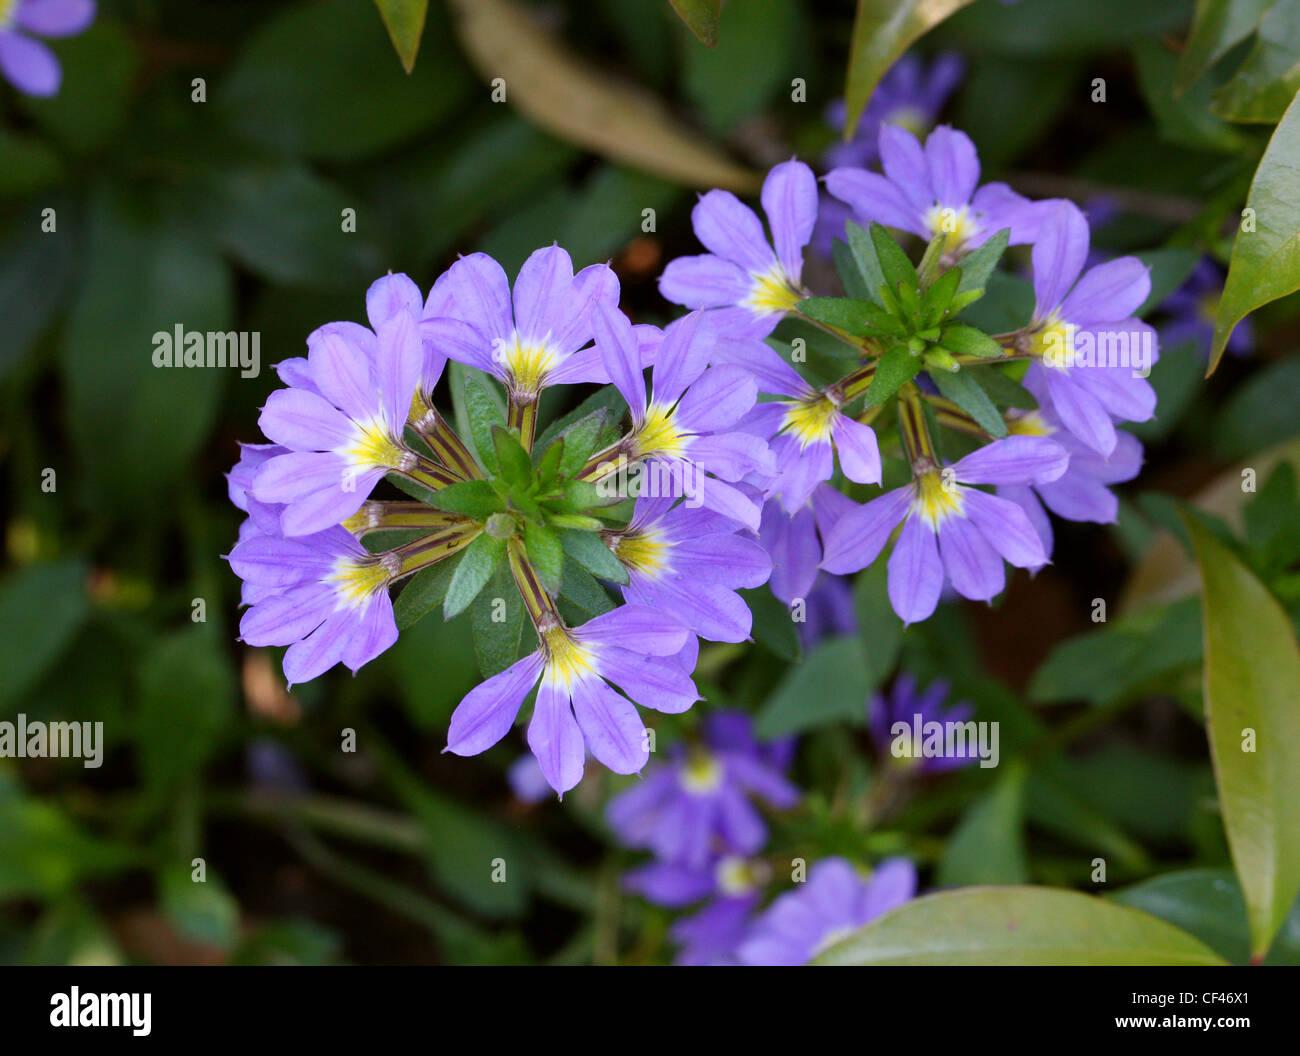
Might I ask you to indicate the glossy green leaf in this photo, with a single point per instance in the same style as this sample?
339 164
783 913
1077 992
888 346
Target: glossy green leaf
546 554
41 607
471 498
1017 925
424 592
590 551
404 20
1217 26
1252 673
882 31
830 685
497 619
1265 261
988 845
976 267
1269 78
966 393
893 370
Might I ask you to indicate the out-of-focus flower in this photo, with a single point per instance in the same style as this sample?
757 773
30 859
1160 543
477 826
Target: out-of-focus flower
834 902
746 283
28 64
950 529
696 804
915 707
1192 308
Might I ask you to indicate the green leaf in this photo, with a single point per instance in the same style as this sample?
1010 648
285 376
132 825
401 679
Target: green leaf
899 272
470 498
202 911
580 441
480 408
41 607
497 620
590 551
938 298
183 674
605 399
1252 669
701 17
1186 120
1260 412
988 845
895 368
1017 925
846 266
882 31
1003 390
839 312
424 592
1217 27
581 589
830 685
968 341
878 624
1267 81
546 553
976 267
773 627
970 396
1265 262
863 252
516 466
404 20
36 275
477 563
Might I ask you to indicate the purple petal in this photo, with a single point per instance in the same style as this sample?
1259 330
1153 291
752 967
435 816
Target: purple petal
790 202
1024 497
29 64
652 683
892 884
487 712
704 281
461 341
732 456
611 726
376 632
682 356
1079 410
279 562
398 366
389 296
795 551
621 355
718 398
1013 460
593 285
636 628
481 293
315 655
285 618
1058 255
731 502
770 370
856 445
55 18
859 536
724 558
554 737
973 566
729 229
341 373
954 166
288 477
329 506
1077 497
874 198
1108 293
1006 528
303 421
742 828
541 296
904 163
915 572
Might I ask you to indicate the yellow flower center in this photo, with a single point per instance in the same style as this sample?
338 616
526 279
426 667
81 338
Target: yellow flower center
956 223
810 420
356 579
702 773
527 363
772 291
7 10
912 118
736 876
936 498
1054 343
1029 423
646 551
566 658
1208 307
372 447
658 434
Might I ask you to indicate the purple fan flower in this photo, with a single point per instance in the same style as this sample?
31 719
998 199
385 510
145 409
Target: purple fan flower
932 190
733 887
830 611
28 64
696 805
342 421
914 707
322 595
806 432
690 562
688 426
534 337
576 702
910 95
527 781
1192 309
794 541
834 902
1092 352
950 529
1082 492
748 284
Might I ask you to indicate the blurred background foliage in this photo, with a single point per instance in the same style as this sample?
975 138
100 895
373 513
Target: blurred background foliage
225 214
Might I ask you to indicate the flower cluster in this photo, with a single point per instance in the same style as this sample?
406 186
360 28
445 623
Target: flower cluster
713 461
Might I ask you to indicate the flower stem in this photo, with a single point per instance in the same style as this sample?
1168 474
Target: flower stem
522 415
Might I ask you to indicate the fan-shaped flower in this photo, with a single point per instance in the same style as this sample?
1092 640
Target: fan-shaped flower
28 64
949 528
